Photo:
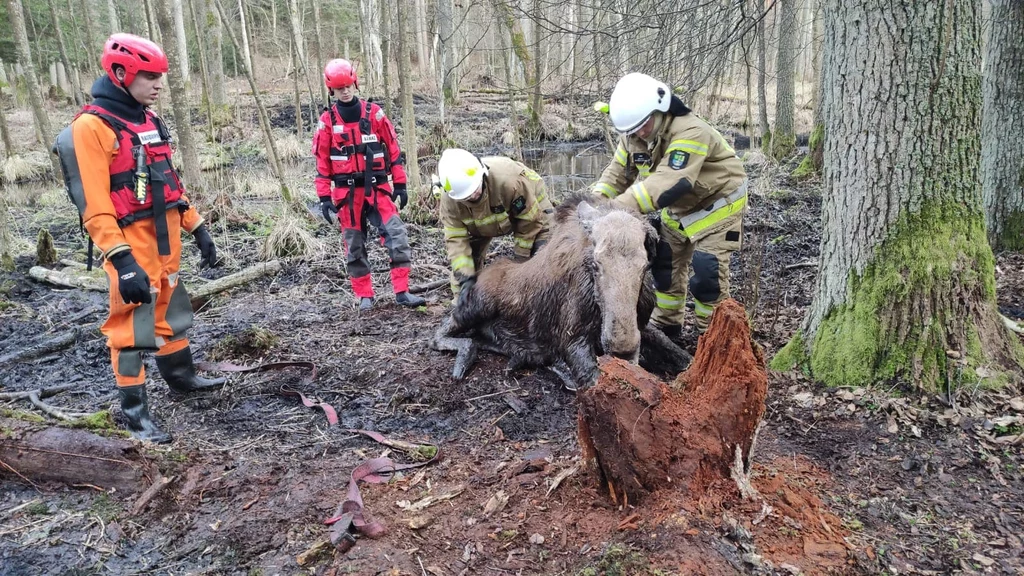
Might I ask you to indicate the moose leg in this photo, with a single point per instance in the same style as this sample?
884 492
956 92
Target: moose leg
660 355
561 369
582 362
464 347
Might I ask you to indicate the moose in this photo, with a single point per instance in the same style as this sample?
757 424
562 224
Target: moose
587 293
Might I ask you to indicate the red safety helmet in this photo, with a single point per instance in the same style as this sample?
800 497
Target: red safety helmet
135 54
340 73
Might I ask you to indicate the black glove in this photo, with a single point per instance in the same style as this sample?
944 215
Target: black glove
465 285
132 280
207 250
401 196
327 208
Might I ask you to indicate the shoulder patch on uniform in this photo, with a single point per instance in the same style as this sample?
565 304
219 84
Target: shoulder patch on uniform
531 175
380 114
320 125
677 159
518 205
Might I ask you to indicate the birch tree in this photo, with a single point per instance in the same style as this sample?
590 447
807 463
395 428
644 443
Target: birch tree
409 144
784 136
179 101
906 272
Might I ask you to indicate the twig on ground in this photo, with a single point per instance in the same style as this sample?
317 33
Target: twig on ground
51 410
19 475
39 392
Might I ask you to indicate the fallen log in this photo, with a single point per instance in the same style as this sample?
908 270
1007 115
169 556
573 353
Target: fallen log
429 286
201 294
52 345
644 435
72 456
66 280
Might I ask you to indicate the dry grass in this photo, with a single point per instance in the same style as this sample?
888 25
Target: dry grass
213 156
290 239
258 185
24 168
290 148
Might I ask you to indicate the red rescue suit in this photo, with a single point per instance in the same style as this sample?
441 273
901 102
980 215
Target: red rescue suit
356 150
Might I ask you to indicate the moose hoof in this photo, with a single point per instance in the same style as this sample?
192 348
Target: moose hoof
464 361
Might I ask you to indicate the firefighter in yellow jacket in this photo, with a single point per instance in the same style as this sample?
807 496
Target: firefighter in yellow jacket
482 198
671 161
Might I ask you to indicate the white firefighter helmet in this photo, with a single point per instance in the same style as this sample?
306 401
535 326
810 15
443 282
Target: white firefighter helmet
635 98
460 172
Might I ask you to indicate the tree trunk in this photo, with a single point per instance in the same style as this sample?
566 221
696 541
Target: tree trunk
5 132
410 145
446 58
906 273
369 15
75 88
387 50
421 36
204 73
762 73
784 137
214 41
319 52
179 102
21 45
816 143
297 91
178 12
268 135
1002 126
6 237
301 71
92 43
115 22
246 53
513 117
154 30
535 105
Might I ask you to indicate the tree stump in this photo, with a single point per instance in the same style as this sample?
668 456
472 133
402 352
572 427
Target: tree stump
645 435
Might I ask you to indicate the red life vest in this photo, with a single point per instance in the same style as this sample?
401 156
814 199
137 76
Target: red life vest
358 157
152 140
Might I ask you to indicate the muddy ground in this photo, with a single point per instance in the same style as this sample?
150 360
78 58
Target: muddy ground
852 481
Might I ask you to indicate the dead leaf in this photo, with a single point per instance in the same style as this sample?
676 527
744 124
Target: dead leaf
1017 404
496 502
536 539
314 552
804 399
428 501
915 431
565 473
515 403
892 427
983 560
983 372
215 526
435 570
421 521
845 395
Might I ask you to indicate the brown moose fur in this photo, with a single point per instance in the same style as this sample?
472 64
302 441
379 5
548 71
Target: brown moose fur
585 293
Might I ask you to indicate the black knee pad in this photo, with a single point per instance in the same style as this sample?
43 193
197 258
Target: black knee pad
661 268
704 286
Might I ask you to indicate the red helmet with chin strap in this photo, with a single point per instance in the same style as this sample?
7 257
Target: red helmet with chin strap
339 73
135 54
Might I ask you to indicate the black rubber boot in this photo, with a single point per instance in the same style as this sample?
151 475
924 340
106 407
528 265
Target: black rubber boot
365 303
135 406
180 373
411 300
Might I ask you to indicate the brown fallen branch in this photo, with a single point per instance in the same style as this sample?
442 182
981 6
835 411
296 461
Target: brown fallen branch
39 392
807 264
203 293
58 343
73 457
429 286
51 410
66 280
147 496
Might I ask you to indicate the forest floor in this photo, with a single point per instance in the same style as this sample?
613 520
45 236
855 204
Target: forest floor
852 481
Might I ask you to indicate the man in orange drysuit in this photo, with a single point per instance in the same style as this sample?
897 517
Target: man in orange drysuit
116 156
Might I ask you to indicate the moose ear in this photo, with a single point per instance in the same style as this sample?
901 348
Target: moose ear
586 211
